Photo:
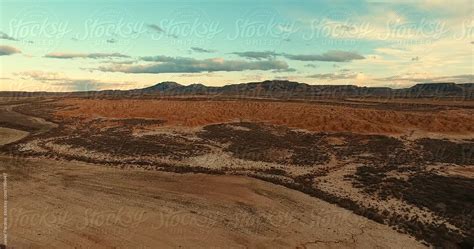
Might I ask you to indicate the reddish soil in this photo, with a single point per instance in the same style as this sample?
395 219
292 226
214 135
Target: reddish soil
309 116
400 164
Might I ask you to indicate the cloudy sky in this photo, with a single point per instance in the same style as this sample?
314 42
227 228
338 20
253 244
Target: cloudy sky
117 44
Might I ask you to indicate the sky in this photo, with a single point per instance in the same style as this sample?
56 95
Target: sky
116 44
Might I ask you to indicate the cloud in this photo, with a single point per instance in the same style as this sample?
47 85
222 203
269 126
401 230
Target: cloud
340 75
281 78
332 76
190 65
120 62
160 30
158 58
68 84
4 36
389 22
40 75
287 70
418 78
196 75
202 50
8 50
415 58
452 7
257 55
332 56
173 36
253 77
155 28
85 55
83 85
311 65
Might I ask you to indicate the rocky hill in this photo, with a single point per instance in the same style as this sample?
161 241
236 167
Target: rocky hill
278 89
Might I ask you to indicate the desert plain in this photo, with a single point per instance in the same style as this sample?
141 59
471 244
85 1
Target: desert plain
237 173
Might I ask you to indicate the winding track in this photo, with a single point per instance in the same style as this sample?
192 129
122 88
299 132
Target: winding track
15 126
9 118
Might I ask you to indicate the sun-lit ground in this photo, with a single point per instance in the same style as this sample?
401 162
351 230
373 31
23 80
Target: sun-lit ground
402 165
313 117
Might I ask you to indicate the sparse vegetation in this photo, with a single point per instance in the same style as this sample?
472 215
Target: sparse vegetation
260 139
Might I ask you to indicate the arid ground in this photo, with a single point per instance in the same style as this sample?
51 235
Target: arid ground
134 173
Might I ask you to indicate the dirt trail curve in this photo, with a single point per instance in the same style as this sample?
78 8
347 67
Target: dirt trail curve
15 126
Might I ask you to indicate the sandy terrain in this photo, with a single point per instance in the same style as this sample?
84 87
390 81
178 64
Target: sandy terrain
11 135
64 205
412 176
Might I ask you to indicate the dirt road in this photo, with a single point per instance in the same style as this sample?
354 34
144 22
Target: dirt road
9 118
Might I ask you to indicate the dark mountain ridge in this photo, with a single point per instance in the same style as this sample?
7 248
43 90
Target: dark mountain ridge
278 89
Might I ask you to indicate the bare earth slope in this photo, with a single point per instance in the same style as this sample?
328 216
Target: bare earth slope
69 204
8 135
407 165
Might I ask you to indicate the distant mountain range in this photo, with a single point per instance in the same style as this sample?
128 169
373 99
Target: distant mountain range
276 89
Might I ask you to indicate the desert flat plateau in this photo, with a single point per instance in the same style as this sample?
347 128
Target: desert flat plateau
170 173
